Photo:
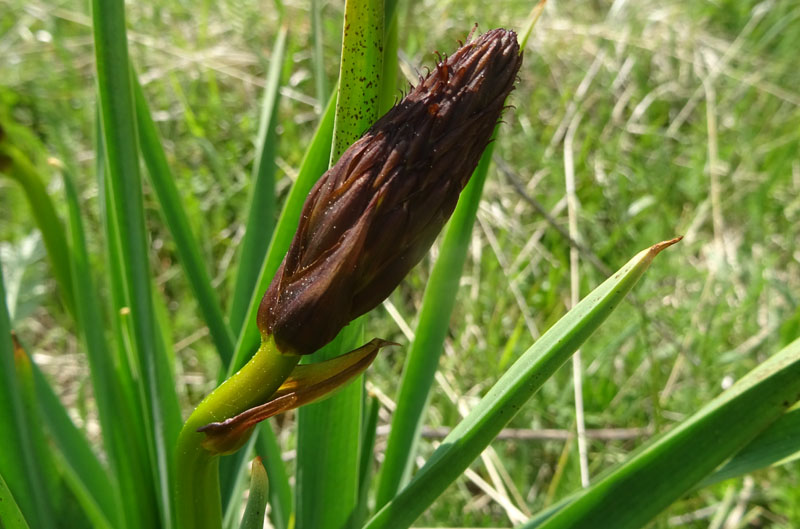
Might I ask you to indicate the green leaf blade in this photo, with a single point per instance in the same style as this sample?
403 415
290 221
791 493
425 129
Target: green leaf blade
163 182
121 154
280 491
318 57
127 457
19 465
75 451
257 501
135 472
365 468
777 445
636 491
515 387
85 496
262 207
434 320
328 447
24 172
10 514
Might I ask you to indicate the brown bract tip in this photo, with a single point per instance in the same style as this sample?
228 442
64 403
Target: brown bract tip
656 248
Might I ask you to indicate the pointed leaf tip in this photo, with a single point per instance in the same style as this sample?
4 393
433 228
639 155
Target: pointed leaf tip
533 18
256 509
656 248
647 255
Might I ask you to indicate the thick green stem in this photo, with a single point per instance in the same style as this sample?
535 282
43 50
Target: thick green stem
197 494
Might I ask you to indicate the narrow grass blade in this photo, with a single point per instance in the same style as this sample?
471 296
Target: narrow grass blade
177 221
314 164
533 18
232 482
135 473
129 461
75 454
19 466
121 154
10 514
328 435
777 445
318 57
21 169
281 9
262 208
257 501
280 491
434 320
86 497
505 398
53 488
664 470
369 431
42 406
63 485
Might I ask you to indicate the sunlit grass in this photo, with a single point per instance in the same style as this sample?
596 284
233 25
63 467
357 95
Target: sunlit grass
623 80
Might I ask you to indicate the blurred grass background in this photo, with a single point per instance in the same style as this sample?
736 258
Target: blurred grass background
675 118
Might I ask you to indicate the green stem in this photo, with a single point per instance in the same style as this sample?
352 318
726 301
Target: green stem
197 494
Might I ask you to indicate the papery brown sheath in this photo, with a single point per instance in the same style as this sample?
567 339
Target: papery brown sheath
376 212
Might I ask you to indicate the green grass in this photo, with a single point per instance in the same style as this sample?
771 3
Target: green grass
713 307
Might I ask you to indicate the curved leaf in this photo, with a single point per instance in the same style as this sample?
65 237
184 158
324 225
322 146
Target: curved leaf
504 399
632 494
262 208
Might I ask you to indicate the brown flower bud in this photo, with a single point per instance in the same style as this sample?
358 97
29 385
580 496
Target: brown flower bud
376 212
